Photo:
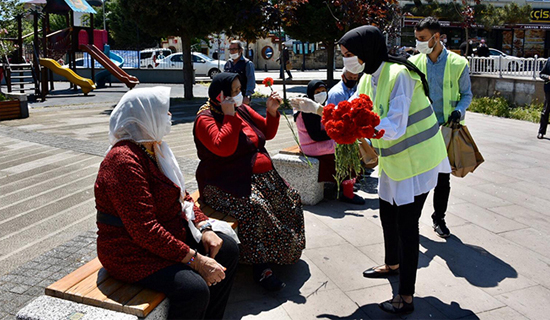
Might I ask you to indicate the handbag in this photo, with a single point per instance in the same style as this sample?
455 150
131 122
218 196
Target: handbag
368 154
288 65
464 156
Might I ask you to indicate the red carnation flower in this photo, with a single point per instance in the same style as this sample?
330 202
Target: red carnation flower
268 82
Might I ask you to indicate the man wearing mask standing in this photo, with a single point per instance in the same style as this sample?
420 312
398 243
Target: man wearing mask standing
450 91
344 89
242 66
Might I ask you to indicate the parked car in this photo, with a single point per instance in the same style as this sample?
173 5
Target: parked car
149 58
202 64
504 62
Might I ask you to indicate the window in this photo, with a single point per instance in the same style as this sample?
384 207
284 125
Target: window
177 58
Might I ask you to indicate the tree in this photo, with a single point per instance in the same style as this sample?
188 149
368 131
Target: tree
123 31
188 19
327 21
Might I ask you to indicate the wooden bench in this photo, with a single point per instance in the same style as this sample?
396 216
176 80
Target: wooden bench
92 285
294 150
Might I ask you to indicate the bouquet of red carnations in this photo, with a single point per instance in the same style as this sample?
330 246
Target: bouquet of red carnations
346 123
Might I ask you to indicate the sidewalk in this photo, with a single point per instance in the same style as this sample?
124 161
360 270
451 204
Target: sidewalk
495 265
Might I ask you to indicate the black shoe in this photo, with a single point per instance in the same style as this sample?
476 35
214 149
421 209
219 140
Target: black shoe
269 282
355 200
540 136
389 307
440 227
373 274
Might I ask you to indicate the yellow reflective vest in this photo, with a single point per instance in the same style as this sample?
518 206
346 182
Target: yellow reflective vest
453 70
421 148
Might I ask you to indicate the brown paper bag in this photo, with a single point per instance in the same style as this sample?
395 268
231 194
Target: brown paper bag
464 155
368 154
288 65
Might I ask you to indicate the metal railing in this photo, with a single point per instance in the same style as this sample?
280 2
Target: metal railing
507 66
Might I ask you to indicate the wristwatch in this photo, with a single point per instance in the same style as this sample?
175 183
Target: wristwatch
205 227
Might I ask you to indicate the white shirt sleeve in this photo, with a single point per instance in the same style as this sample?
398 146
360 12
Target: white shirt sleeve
395 123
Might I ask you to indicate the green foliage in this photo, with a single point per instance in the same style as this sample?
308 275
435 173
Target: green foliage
500 107
123 31
259 95
348 162
3 97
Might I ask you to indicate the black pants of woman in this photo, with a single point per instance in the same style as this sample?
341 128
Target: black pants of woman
545 113
189 295
401 239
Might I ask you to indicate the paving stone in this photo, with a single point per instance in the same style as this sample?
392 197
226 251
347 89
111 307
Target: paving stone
485 218
333 304
319 234
530 302
501 313
344 265
20 289
530 238
266 308
525 216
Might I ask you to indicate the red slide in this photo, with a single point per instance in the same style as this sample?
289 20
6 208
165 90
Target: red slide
120 74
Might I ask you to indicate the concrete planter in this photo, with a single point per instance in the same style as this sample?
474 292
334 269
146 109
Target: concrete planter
17 108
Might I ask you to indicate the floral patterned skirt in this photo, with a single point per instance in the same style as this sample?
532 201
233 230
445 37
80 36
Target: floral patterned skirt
271 219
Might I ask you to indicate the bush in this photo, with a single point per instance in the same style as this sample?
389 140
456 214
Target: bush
500 107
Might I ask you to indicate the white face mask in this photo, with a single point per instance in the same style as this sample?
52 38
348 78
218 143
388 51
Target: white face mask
424 46
320 97
238 99
352 65
234 56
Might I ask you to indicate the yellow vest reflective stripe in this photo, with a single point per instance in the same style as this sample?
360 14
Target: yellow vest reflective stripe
421 148
453 70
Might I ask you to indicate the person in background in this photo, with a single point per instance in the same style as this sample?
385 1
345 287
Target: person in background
545 75
315 142
243 67
149 230
284 61
236 177
345 88
451 94
482 49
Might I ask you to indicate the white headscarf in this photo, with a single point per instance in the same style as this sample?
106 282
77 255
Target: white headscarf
141 115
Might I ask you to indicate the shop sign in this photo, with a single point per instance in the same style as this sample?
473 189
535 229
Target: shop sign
540 15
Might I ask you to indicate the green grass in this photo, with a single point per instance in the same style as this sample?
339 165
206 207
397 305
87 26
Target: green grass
500 107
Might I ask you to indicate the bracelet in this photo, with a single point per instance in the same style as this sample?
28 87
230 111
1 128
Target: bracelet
192 258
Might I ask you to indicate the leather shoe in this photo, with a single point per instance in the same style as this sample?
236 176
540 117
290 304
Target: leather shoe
373 274
389 307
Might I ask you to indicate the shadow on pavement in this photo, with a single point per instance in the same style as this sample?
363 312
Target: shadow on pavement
245 292
425 308
473 263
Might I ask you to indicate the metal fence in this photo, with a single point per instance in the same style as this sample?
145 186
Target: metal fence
507 66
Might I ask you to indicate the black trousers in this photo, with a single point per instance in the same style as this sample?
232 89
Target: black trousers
441 195
545 113
401 239
190 296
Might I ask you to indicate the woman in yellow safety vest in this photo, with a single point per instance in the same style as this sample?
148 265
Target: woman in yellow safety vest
412 152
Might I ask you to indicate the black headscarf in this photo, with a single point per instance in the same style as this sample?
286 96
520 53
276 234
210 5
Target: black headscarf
369 45
312 86
221 82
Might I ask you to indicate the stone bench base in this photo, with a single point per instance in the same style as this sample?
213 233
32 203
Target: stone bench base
50 308
297 172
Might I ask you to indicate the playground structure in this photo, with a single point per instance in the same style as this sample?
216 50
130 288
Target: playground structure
49 48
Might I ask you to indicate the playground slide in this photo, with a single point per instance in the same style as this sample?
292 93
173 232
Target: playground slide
120 74
102 77
87 85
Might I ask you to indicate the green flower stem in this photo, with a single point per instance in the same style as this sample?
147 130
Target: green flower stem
348 162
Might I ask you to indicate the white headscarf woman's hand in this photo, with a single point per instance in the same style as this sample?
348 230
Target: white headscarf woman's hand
306 105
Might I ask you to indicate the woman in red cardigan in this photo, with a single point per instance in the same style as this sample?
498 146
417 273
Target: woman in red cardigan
150 231
236 176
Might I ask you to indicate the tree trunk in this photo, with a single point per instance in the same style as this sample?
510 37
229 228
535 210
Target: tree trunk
330 63
467 43
187 67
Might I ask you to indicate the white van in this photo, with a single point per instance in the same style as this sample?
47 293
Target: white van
148 58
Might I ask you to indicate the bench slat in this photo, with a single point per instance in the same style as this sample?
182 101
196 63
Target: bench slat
81 289
58 288
100 294
121 296
143 303
294 150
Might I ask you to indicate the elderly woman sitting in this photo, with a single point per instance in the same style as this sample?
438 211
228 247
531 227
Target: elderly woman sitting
150 231
236 176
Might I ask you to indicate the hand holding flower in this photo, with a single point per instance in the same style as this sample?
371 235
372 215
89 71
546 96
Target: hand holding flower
273 103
